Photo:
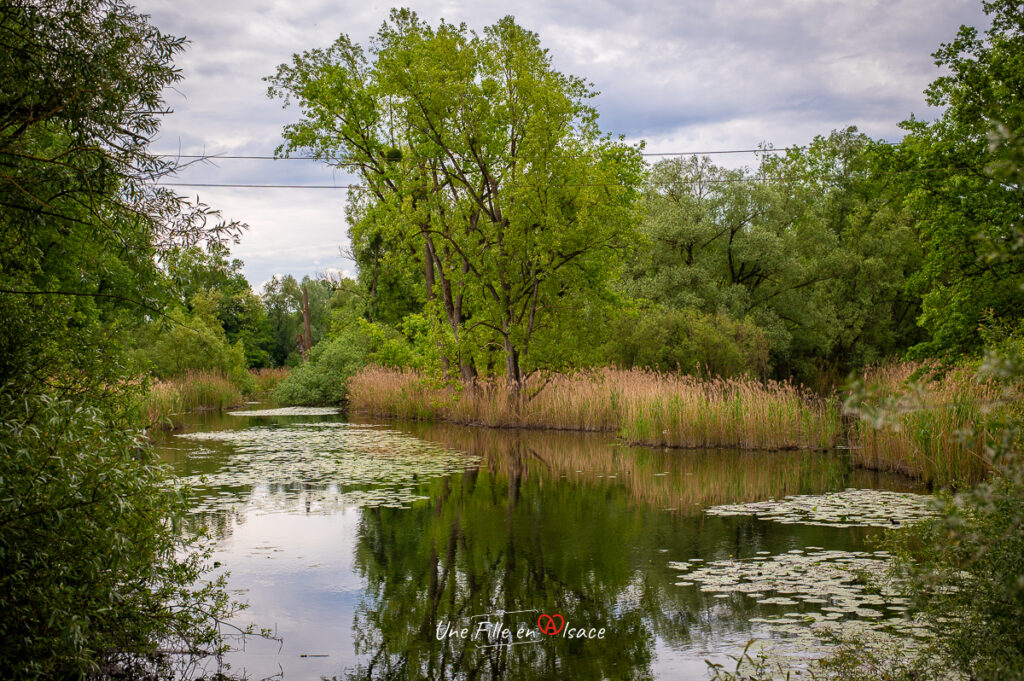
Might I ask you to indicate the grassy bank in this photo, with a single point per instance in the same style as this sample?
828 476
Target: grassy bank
644 407
193 391
926 434
925 439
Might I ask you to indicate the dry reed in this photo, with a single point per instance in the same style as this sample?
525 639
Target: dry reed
267 379
940 435
191 391
644 407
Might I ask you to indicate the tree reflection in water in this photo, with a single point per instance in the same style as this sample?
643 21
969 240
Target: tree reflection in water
535 528
549 522
490 543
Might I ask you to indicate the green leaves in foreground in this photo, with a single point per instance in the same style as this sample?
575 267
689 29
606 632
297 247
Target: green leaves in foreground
91 577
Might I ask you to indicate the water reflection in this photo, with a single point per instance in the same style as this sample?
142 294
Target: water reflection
547 523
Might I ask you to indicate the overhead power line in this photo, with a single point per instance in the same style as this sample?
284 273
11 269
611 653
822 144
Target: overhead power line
263 186
720 180
362 186
264 157
238 157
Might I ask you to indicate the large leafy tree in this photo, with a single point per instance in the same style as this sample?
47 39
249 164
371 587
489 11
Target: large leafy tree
391 276
962 211
806 246
93 575
206 277
485 158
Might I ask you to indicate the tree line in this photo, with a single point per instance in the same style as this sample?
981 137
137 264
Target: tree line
501 233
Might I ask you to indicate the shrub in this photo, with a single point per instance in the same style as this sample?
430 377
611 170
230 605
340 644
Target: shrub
323 379
195 342
689 341
94 573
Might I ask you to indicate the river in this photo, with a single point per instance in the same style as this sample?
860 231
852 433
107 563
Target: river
412 550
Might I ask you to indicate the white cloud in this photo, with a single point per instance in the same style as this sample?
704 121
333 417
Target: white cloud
688 75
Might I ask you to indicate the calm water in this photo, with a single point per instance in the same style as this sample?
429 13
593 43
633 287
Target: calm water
361 543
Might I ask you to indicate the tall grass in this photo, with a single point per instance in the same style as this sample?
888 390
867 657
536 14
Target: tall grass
644 407
926 436
267 379
192 391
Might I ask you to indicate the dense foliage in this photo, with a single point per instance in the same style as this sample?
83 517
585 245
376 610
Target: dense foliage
94 577
962 211
815 263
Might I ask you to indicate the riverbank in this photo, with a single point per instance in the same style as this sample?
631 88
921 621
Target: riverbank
167 400
644 407
921 437
935 425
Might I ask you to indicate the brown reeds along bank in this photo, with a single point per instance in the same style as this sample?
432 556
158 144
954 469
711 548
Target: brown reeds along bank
940 431
267 379
191 391
644 407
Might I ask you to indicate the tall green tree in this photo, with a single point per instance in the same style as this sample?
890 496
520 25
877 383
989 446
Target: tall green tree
391 271
282 298
946 186
485 158
807 246
94 577
205 277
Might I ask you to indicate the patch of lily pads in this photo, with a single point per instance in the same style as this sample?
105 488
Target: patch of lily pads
849 508
319 467
810 598
288 411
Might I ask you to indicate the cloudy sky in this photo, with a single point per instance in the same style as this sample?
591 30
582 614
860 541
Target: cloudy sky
684 75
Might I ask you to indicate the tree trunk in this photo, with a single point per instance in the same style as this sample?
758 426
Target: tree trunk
428 278
513 374
307 332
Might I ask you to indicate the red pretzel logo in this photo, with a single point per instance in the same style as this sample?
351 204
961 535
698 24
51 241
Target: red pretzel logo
547 625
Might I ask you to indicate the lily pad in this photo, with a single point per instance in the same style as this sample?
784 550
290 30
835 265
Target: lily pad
849 508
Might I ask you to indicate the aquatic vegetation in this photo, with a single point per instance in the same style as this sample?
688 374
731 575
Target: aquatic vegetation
644 407
849 508
327 465
827 596
288 411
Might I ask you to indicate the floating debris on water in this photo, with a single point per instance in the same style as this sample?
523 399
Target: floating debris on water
849 508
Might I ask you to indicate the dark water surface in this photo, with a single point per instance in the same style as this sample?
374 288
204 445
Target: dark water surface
360 543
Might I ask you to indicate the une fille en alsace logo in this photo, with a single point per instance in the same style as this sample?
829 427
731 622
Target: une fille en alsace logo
493 629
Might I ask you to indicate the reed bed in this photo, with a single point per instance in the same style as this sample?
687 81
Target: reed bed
267 379
644 407
191 391
939 433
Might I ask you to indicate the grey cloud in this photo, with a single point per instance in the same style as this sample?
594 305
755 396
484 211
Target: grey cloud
710 74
